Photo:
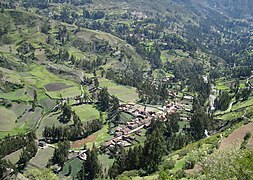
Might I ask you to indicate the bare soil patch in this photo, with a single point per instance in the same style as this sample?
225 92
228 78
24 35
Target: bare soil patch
235 139
197 168
80 143
57 86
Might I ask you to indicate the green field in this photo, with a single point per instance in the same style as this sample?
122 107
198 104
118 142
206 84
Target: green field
40 77
124 93
86 112
7 119
101 136
13 157
42 157
243 104
15 131
75 165
49 120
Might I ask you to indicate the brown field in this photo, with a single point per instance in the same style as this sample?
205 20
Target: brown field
80 143
57 86
235 139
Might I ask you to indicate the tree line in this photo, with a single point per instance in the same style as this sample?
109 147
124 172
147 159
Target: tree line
162 138
73 132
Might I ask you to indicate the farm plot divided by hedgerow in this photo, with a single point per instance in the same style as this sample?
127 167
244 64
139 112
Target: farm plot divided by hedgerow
54 85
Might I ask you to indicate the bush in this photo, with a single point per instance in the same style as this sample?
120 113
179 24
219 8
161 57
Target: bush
247 136
180 174
189 163
131 173
183 153
163 175
169 164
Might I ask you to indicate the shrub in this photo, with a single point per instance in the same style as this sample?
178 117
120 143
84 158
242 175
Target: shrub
189 163
180 174
169 164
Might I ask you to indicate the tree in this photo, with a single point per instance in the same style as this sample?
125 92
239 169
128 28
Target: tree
172 121
153 151
199 123
45 27
163 175
103 99
66 113
35 100
61 153
91 168
40 174
222 101
86 13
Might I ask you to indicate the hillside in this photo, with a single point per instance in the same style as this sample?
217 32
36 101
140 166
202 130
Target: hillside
96 89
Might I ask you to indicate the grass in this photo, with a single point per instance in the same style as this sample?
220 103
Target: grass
20 130
49 120
230 116
125 117
105 161
86 112
39 76
124 93
7 119
243 104
101 137
42 157
75 164
179 165
13 157
151 177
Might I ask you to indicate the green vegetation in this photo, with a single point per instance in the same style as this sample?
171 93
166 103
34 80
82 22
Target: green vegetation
74 70
42 157
86 112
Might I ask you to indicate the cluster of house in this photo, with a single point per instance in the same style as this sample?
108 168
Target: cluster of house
124 135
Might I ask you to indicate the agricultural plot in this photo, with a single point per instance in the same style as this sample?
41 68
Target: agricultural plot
13 157
39 77
19 94
124 93
75 165
42 157
223 84
56 86
86 112
49 120
7 119
105 160
15 131
101 137
235 139
244 104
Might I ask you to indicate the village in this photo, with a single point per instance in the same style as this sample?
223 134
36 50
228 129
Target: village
125 134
